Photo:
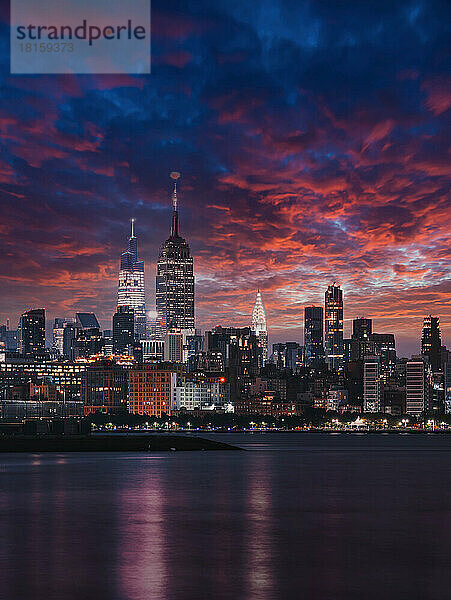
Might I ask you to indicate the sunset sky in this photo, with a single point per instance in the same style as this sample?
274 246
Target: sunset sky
313 142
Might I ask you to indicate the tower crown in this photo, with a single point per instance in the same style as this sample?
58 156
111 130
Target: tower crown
259 314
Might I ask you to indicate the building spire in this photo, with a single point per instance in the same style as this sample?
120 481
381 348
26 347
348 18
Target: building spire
259 314
260 329
174 194
175 217
132 241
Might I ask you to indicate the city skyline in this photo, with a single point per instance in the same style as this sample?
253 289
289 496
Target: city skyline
242 319
127 297
225 318
51 324
307 157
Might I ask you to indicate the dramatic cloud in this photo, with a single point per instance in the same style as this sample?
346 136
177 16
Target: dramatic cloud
313 141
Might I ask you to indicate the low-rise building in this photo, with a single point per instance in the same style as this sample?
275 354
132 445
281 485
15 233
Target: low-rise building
151 388
201 392
104 388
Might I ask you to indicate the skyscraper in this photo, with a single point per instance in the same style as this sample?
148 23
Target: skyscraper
431 342
384 346
123 329
334 326
313 335
88 340
361 339
260 330
362 328
59 325
69 336
131 291
416 388
239 350
31 332
287 355
8 337
293 356
371 384
175 278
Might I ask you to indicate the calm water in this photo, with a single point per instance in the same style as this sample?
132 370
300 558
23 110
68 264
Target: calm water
311 516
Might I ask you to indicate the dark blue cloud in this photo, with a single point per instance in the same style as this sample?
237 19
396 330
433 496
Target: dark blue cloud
313 143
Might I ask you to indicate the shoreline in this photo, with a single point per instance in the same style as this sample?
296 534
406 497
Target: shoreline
137 441
109 443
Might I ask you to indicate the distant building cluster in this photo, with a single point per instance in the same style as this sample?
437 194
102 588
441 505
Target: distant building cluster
165 366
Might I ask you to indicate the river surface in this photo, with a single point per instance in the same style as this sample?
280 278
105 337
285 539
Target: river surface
298 515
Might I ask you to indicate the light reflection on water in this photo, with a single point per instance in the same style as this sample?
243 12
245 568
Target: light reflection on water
299 517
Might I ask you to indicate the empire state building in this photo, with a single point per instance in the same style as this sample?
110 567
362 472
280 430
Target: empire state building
175 278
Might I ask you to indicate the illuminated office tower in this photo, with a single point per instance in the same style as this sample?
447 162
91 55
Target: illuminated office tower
31 332
88 340
260 329
131 284
416 386
447 381
333 319
175 278
8 337
361 338
59 325
287 355
313 335
371 384
431 343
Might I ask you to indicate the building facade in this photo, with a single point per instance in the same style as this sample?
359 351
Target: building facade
336 398
333 320
361 338
88 339
59 326
313 335
104 388
123 330
65 375
151 389
201 393
8 337
153 350
287 355
239 350
416 389
371 385
431 343
31 333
